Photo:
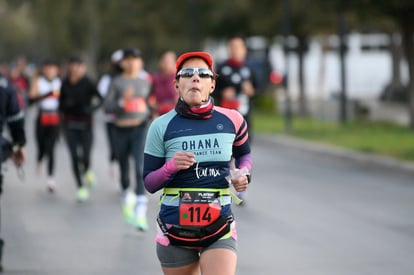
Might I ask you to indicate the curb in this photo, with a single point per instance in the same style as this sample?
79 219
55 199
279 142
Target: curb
338 152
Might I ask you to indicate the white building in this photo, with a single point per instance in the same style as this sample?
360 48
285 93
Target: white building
368 67
368 71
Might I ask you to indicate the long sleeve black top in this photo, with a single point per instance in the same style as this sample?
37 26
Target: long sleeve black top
10 112
79 100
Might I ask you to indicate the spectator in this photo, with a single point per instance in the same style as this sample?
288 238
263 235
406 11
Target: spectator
236 84
20 80
163 89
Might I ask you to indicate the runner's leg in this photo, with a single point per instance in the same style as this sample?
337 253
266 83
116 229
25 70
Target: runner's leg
123 152
71 139
86 143
138 143
111 140
50 141
176 260
40 141
191 269
218 261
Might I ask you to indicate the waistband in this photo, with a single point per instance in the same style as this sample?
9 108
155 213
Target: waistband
174 200
223 192
176 191
45 110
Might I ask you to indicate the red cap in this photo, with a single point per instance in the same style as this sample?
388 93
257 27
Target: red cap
203 55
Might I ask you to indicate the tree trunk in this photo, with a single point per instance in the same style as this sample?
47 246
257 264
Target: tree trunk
93 37
343 100
396 55
407 36
303 106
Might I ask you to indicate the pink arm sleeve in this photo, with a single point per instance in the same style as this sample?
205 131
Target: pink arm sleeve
245 161
157 179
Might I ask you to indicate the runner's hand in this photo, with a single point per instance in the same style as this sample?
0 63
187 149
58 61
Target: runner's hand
240 184
183 160
239 180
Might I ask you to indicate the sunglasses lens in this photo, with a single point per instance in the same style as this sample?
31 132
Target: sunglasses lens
205 73
189 72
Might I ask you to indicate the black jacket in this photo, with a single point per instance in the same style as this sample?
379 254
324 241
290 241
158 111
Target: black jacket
76 101
10 113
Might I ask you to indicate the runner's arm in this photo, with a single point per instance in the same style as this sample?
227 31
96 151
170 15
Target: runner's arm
157 172
245 161
15 119
110 103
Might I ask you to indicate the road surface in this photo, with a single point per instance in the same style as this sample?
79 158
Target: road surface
307 214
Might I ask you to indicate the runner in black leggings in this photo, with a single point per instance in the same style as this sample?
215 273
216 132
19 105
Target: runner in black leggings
46 137
77 106
103 88
128 100
45 90
79 137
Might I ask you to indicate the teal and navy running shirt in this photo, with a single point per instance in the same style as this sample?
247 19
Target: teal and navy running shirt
214 141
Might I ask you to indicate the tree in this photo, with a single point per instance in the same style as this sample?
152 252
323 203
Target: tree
401 12
47 28
16 29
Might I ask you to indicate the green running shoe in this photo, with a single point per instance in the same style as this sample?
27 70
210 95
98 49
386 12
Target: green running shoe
90 178
141 223
82 194
128 208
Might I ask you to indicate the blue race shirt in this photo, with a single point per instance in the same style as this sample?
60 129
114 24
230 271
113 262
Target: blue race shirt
213 141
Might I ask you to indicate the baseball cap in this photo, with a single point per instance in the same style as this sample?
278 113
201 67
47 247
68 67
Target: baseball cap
203 55
117 56
134 52
75 59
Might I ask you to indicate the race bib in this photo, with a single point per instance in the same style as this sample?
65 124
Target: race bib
135 105
199 208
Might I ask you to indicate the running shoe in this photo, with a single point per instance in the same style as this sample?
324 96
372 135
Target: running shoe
128 207
51 185
141 223
82 194
90 178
